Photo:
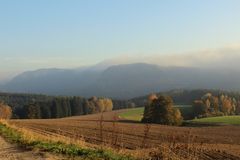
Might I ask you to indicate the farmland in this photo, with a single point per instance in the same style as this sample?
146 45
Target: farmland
200 142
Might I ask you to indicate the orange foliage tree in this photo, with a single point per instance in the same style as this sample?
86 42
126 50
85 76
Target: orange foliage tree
5 111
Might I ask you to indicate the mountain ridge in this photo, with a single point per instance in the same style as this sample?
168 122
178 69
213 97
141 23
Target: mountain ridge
122 81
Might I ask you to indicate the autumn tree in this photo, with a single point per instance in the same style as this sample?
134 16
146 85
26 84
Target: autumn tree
215 104
108 104
100 104
160 110
226 106
5 111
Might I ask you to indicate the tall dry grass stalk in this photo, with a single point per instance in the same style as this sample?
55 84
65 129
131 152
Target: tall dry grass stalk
146 132
101 128
114 131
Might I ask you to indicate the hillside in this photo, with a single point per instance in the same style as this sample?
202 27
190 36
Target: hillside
121 81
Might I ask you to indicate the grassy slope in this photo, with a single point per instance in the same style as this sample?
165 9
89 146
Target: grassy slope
235 120
136 114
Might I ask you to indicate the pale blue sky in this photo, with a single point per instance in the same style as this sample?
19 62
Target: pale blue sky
70 33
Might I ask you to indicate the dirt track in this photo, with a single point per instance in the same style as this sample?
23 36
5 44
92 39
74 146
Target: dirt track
12 152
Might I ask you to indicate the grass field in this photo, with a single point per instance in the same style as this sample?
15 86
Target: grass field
136 114
234 120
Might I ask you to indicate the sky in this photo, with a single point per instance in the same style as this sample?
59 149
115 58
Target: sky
74 33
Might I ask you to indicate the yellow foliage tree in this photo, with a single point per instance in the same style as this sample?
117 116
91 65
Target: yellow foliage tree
5 111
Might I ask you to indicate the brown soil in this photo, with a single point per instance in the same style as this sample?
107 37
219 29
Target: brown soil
208 141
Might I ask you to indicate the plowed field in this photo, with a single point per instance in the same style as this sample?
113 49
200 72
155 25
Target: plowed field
210 142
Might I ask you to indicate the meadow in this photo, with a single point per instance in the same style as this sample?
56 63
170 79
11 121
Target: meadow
134 114
233 120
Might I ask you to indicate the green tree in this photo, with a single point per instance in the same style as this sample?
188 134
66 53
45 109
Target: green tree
148 109
32 111
56 108
46 111
77 104
238 108
199 108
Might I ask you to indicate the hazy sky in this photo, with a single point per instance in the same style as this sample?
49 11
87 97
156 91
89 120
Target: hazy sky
71 33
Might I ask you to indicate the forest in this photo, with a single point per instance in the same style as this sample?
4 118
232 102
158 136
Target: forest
28 106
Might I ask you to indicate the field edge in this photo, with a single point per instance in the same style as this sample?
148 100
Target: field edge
14 136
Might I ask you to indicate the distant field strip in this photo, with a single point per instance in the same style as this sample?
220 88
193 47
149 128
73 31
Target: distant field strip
136 114
234 120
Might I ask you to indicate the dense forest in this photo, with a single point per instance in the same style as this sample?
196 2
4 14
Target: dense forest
41 106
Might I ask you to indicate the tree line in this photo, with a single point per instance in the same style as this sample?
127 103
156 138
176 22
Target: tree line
160 108
26 106
218 105
64 107
185 97
43 106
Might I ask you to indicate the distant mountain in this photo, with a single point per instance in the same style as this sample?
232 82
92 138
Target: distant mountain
121 81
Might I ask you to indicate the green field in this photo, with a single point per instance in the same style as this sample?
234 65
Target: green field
136 114
235 120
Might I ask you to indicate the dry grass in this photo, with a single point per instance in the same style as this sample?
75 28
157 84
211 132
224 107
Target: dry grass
145 135
30 136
